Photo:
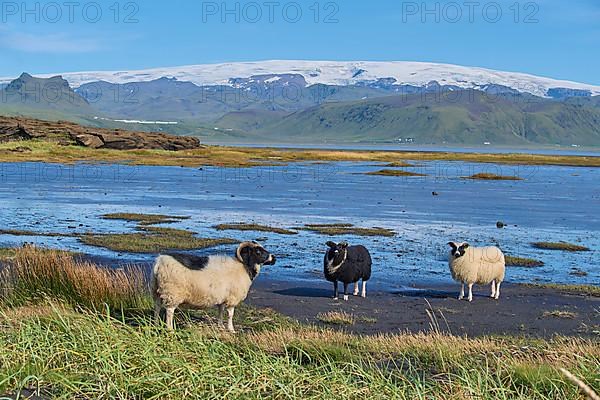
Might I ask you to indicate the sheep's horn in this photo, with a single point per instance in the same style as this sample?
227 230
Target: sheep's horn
242 245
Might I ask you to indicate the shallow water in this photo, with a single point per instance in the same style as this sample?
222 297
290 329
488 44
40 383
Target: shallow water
550 204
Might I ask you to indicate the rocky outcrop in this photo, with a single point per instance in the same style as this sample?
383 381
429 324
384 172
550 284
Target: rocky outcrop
14 133
68 133
126 140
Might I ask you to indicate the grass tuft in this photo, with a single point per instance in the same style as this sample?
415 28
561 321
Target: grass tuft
34 275
145 219
336 318
559 314
562 246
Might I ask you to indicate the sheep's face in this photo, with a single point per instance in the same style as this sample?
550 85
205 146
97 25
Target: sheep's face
336 253
254 254
458 249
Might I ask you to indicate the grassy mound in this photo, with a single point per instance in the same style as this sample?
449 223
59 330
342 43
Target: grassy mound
153 240
512 261
493 177
254 228
562 246
588 290
394 172
348 229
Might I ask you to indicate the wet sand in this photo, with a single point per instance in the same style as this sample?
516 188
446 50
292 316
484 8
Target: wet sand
520 310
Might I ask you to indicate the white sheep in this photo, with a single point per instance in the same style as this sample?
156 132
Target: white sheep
187 281
481 265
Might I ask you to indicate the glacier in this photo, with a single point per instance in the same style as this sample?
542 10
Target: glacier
339 73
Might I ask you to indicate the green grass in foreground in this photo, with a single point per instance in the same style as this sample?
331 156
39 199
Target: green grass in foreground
563 246
348 229
58 352
254 228
68 355
513 261
493 177
394 172
145 219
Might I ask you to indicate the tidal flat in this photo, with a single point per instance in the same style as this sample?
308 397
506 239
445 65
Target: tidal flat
404 221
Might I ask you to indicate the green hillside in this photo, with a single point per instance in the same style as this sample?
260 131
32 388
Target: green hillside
474 118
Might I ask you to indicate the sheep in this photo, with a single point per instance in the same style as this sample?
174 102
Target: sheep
347 264
482 265
196 282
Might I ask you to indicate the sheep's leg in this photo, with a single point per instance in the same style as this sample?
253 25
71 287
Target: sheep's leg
335 290
230 311
493 295
355 288
364 289
497 296
170 313
470 292
345 291
157 308
221 313
462 291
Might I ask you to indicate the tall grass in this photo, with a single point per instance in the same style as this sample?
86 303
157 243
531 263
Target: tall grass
35 275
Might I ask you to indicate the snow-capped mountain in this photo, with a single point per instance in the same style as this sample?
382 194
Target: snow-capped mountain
340 73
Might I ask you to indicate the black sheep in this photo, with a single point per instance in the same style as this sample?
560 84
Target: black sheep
347 264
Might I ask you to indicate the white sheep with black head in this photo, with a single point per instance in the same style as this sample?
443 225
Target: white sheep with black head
481 265
347 264
187 281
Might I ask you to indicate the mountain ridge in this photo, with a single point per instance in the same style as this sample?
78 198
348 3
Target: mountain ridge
338 73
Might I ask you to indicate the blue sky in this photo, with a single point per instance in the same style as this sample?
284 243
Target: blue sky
555 38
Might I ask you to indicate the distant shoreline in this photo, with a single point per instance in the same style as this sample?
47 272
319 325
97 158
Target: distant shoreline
430 148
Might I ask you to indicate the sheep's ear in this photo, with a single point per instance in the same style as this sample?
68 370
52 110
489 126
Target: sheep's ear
452 244
343 245
465 245
245 255
331 244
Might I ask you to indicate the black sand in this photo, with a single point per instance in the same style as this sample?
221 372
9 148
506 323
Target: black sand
520 310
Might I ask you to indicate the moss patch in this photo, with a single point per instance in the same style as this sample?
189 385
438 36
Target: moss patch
394 172
254 228
348 229
562 246
145 219
512 261
493 177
